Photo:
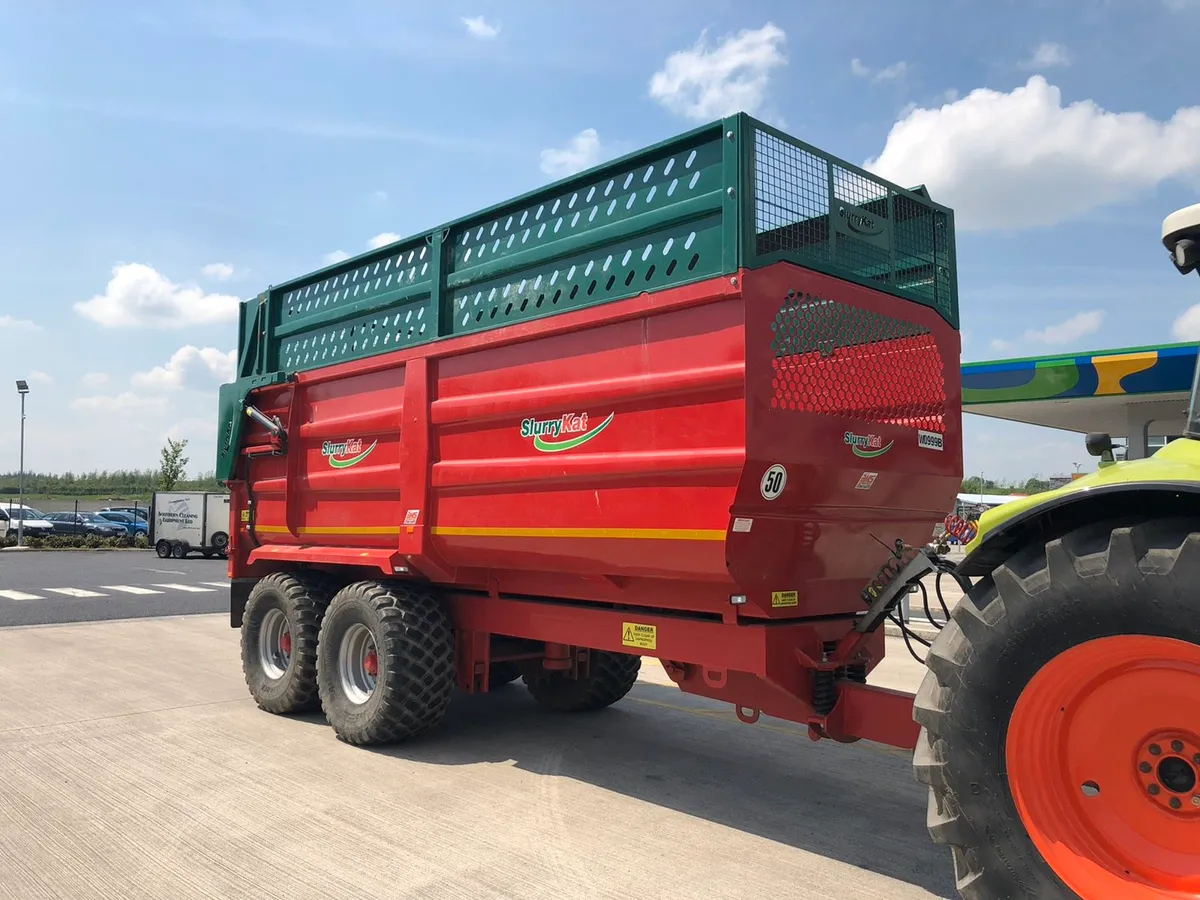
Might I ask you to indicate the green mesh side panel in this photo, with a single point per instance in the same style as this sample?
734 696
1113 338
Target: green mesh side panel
399 326
653 226
811 209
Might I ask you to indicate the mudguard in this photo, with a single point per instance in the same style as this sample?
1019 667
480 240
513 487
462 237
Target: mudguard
1166 484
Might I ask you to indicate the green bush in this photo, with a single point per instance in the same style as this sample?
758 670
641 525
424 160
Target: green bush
76 542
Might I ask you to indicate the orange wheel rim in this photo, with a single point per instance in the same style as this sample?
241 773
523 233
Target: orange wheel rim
1103 756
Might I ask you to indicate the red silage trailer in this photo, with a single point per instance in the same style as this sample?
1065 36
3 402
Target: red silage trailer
700 404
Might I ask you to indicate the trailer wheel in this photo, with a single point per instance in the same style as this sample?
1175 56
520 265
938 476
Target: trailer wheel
1060 720
280 628
220 543
611 676
179 550
163 549
385 662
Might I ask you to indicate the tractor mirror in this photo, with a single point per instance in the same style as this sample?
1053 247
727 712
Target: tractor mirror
1098 444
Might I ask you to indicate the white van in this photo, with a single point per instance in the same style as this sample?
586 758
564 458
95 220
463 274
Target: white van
183 521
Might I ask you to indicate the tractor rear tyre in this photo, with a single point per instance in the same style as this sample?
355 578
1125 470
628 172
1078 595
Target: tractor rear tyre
610 677
279 640
385 662
1060 717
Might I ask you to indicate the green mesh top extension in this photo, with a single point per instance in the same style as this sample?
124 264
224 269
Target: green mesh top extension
736 193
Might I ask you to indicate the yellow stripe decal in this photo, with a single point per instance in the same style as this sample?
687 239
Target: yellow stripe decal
331 529
645 534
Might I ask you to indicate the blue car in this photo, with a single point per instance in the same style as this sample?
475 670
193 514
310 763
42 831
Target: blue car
133 525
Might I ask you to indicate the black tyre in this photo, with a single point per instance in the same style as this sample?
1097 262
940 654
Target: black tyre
385 662
502 673
280 630
163 549
1060 718
179 550
610 677
220 543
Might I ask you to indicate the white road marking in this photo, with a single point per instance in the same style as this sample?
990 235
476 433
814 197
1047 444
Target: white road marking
129 589
19 595
75 592
186 587
216 583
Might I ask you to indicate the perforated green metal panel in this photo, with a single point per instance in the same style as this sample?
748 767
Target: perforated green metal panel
400 326
653 225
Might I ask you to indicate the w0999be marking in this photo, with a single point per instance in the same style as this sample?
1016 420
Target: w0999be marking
930 440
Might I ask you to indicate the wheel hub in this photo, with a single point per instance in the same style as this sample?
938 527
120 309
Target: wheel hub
358 663
1103 758
275 644
1169 771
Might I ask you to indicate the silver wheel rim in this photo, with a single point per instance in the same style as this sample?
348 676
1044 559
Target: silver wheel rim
358 663
274 644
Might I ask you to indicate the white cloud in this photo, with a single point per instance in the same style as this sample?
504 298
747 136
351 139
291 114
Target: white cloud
705 83
1069 331
1187 326
1047 55
1021 159
9 321
481 28
218 271
139 296
893 72
335 257
189 366
124 402
42 377
382 240
582 152
94 380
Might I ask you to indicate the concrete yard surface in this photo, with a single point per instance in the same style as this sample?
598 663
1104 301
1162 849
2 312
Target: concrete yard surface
134 765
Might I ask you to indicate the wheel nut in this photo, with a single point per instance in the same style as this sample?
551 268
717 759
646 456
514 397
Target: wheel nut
1196 800
1177 746
1145 767
1196 759
1175 804
1155 749
1154 789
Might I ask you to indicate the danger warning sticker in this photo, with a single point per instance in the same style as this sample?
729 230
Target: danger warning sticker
644 637
784 598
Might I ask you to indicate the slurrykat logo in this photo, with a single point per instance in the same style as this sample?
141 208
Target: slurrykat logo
867 446
344 454
567 432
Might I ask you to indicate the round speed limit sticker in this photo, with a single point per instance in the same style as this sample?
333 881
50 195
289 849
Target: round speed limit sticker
773 482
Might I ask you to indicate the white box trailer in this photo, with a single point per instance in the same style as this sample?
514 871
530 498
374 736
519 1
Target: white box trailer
186 521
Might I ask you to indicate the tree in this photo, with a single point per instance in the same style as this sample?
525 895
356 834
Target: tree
173 461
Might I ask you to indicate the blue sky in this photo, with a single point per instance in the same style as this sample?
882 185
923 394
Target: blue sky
159 160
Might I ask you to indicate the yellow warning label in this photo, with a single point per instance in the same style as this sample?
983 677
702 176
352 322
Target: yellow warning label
785 598
644 637
245 515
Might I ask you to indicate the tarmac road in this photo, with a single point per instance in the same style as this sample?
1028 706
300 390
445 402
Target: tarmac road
41 587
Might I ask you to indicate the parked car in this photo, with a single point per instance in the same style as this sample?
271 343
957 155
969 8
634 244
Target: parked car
85 523
141 512
36 524
133 525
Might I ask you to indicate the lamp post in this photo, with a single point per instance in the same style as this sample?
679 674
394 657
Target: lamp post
22 389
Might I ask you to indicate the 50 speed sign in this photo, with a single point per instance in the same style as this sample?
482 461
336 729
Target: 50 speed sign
773 482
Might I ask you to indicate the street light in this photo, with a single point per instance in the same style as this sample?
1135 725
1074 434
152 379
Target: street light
22 389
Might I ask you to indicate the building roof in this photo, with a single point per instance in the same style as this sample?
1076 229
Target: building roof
1082 392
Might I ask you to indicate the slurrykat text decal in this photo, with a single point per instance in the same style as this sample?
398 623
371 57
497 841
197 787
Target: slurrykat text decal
344 454
567 432
867 446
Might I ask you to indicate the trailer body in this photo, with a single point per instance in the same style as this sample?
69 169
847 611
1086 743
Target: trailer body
699 404
187 521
